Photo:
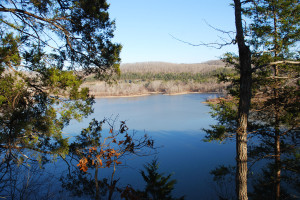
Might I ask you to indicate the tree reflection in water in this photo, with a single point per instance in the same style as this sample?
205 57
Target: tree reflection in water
77 175
262 182
34 181
157 186
25 181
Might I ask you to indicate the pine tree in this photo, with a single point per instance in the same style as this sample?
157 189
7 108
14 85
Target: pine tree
158 186
274 31
274 115
45 49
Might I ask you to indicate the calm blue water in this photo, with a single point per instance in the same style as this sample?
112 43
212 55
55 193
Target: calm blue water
154 113
175 123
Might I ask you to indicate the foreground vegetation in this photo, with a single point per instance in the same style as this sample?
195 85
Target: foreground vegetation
48 36
263 109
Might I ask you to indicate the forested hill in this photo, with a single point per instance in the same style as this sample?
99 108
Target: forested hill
164 67
161 77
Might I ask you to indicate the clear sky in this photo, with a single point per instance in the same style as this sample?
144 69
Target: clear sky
144 28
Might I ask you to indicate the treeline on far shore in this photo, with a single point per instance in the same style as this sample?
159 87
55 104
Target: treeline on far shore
157 77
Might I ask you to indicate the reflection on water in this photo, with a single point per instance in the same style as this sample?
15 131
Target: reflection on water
154 113
174 122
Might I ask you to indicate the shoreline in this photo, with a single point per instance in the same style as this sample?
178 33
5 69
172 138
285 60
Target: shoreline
151 93
124 96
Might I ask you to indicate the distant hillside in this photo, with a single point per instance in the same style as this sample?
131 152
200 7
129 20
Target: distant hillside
145 78
164 67
161 77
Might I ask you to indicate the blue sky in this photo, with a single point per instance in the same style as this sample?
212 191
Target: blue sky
144 27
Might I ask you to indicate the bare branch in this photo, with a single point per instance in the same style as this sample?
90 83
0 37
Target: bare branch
285 62
211 45
229 33
278 77
260 158
276 63
260 52
215 45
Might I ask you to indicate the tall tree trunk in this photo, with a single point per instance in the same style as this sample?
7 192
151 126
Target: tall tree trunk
277 113
277 137
244 106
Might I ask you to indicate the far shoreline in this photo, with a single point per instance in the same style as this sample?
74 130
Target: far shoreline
151 93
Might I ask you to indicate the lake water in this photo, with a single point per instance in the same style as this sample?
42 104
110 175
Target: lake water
175 123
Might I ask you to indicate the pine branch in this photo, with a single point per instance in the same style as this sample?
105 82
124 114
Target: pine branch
50 21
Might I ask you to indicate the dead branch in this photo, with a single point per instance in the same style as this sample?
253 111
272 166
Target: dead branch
276 63
215 45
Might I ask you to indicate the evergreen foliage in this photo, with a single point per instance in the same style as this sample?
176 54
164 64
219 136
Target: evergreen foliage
273 36
42 45
183 76
171 76
158 186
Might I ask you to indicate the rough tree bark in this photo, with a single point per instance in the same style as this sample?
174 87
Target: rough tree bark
277 114
244 106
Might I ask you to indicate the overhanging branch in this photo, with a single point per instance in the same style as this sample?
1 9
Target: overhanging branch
50 21
276 63
216 45
211 45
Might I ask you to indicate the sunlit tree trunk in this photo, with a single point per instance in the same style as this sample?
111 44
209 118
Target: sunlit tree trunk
277 138
244 106
277 114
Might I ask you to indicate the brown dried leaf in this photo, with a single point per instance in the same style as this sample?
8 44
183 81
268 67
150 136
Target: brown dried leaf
118 162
